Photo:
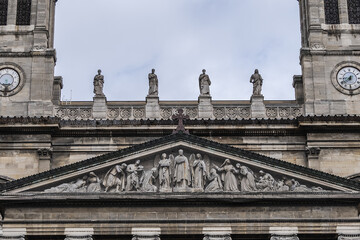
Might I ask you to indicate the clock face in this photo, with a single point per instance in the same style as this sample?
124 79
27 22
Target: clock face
9 79
349 78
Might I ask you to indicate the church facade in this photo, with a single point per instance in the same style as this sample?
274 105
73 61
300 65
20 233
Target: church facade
203 169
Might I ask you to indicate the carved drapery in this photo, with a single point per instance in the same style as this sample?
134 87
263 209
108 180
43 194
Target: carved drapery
284 237
332 12
3 11
23 14
354 11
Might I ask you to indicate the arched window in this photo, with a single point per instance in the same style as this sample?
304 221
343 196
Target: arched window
354 11
332 12
3 12
23 12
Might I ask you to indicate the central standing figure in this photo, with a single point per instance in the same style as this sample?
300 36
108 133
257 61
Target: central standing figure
204 83
182 175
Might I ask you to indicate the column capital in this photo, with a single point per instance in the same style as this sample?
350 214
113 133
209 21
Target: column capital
284 237
349 237
217 237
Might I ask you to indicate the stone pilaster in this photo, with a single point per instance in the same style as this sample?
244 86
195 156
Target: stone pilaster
284 237
313 157
100 108
152 107
45 156
146 233
205 107
257 106
58 85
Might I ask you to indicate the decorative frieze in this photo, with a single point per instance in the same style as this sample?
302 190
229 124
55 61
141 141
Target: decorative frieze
283 112
85 237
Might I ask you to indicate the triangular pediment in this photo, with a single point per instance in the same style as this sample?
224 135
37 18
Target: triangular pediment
201 167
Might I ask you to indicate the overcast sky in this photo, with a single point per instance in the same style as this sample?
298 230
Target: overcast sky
127 38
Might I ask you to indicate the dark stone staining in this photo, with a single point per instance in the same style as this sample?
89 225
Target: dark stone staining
354 11
3 12
332 12
23 12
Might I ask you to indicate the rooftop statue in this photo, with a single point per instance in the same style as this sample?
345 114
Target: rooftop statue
204 84
99 85
153 84
257 82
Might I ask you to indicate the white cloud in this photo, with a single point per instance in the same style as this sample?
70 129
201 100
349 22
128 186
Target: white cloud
126 38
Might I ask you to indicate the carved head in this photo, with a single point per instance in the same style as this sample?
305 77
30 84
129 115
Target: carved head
163 156
256 71
261 172
137 162
198 156
204 71
213 171
153 70
238 165
181 152
99 71
226 162
123 166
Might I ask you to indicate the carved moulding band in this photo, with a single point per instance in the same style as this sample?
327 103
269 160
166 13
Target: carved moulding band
334 73
284 237
146 237
84 237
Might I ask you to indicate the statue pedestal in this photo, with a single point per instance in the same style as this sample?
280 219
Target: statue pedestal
258 109
205 107
152 107
99 108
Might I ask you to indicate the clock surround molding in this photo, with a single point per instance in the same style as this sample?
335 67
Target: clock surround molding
22 79
335 72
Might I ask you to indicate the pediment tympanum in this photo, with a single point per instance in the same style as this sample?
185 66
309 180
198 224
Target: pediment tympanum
181 163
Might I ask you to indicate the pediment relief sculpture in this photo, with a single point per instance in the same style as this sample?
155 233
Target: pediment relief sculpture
184 171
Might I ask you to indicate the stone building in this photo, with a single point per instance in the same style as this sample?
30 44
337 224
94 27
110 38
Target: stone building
211 169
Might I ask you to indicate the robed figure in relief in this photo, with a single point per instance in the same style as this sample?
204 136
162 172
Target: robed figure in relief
215 184
115 177
133 180
164 168
182 175
199 171
228 176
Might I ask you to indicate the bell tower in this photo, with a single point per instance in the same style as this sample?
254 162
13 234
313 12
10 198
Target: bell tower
27 58
330 57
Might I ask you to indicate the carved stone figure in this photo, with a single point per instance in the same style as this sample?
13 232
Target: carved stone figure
148 181
247 179
199 172
266 182
204 83
257 82
228 176
182 175
215 184
133 176
115 177
93 182
99 85
282 187
153 84
75 186
165 172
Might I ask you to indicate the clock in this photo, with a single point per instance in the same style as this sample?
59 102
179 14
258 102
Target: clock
9 79
345 77
349 78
